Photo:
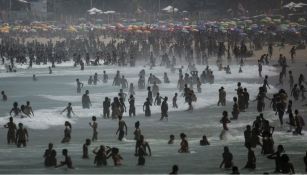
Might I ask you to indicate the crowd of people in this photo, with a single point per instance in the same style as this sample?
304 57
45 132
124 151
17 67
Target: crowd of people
172 49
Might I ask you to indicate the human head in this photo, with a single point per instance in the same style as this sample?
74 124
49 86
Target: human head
50 145
64 152
175 169
94 118
182 135
87 141
226 149
225 113
20 125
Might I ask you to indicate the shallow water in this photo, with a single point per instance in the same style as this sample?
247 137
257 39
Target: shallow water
51 93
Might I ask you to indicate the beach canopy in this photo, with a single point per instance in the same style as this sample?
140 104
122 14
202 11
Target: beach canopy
293 5
109 12
170 9
24 1
94 11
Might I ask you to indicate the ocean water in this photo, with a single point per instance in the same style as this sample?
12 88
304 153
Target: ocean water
51 93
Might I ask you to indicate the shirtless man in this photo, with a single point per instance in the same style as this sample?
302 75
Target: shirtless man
121 126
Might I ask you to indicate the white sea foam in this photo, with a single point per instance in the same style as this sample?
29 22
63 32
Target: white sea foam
45 118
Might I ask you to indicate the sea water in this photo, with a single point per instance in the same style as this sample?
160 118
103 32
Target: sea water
51 93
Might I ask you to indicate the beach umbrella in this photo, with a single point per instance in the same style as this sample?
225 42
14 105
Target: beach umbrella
290 5
301 4
109 12
94 11
170 9
301 20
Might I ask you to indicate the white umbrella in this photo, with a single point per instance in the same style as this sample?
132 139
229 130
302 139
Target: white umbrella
167 8
94 10
290 5
301 4
24 1
109 12
170 9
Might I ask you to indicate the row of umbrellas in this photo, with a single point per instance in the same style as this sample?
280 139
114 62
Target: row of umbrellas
293 5
95 11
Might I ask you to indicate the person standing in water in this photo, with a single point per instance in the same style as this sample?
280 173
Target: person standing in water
140 150
11 131
4 97
106 108
101 156
146 108
164 109
50 70
28 109
67 132
137 132
67 161
227 158
222 97
49 156
149 94
175 101
94 126
95 79
85 149
235 109
16 110
158 99
131 101
142 145
86 101
251 159
69 110
120 131
79 85
224 121
259 68
184 145
34 78
21 136
277 157
105 77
